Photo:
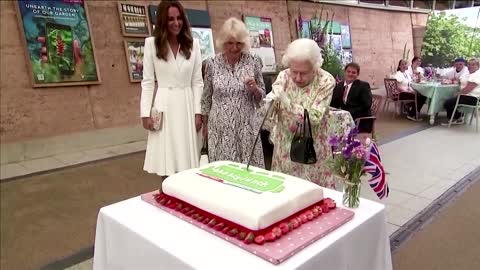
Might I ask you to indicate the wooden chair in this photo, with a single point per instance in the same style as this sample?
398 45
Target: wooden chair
376 101
475 109
393 96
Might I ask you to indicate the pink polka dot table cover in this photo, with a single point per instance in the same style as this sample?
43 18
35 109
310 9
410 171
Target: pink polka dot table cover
281 249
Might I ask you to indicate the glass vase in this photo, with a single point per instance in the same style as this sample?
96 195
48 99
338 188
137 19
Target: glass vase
351 193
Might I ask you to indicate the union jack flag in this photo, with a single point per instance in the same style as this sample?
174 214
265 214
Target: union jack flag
373 166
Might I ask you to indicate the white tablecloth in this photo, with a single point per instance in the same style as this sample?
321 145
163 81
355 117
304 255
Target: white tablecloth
135 235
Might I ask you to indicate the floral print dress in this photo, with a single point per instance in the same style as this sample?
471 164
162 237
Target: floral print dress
316 99
232 111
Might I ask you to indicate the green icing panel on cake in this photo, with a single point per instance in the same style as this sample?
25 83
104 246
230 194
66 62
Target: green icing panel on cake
255 181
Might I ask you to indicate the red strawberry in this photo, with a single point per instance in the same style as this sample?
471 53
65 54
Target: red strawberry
331 204
259 240
303 218
284 227
319 209
325 208
309 214
290 225
225 230
315 212
178 207
212 222
327 200
233 232
163 201
172 205
295 223
200 217
206 220
158 196
270 237
169 201
249 238
219 226
241 236
195 216
186 210
191 212
277 232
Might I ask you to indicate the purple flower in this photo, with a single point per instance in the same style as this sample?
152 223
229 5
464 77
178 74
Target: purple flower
300 22
334 141
347 151
355 143
353 132
359 152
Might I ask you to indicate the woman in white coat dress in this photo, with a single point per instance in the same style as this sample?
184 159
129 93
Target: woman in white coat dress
172 58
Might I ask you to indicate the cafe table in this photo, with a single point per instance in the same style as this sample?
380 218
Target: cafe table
437 94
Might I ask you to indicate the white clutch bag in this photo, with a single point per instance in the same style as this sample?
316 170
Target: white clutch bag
157 118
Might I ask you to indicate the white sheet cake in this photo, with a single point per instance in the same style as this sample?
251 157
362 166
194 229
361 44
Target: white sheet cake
254 199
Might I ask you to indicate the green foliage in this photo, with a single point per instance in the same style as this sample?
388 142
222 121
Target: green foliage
331 62
446 38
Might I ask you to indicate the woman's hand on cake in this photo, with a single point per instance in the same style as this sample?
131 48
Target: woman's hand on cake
147 123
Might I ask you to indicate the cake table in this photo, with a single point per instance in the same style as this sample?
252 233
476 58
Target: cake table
134 234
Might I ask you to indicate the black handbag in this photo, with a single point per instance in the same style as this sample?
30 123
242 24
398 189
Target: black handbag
302 149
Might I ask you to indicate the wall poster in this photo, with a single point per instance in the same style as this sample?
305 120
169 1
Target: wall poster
205 37
133 20
58 42
346 39
134 50
261 38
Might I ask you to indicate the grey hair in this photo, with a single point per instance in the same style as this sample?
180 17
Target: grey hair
233 28
475 61
303 49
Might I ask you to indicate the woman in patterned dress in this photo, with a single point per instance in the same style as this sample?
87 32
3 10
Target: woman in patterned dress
304 85
233 88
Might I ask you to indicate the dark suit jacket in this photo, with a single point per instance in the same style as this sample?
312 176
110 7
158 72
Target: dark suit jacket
359 99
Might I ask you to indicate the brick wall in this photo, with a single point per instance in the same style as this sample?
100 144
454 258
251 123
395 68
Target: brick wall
378 38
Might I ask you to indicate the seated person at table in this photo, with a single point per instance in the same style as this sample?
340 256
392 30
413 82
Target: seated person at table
404 81
354 96
470 93
415 71
458 72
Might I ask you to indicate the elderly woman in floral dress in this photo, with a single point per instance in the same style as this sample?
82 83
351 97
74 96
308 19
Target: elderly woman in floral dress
233 87
304 85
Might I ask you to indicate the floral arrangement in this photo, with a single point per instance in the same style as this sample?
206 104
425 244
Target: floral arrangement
349 156
318 31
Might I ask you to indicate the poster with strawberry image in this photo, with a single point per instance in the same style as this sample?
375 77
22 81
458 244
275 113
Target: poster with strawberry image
58 42
261 39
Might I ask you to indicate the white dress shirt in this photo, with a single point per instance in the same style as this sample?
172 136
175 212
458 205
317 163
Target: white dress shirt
475 78
419 69
455 75
404 79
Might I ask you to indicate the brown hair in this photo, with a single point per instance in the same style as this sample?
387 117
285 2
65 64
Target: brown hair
354 66
161 32
399 62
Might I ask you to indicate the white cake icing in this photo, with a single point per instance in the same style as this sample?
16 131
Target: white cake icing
257 199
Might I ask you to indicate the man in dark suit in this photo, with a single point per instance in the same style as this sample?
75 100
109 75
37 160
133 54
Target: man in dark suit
355 96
